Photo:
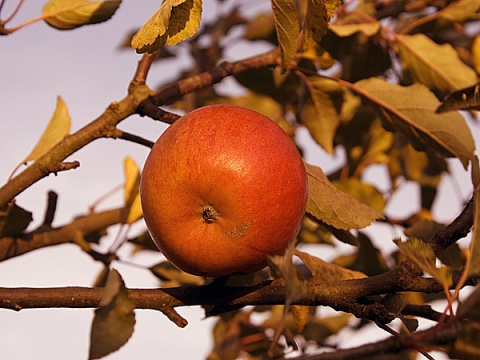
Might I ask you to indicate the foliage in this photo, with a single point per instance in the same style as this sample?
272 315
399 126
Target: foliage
382 83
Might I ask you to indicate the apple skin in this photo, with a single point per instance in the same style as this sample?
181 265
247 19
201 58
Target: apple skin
222 188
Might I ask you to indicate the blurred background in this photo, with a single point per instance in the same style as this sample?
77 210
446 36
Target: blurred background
89 69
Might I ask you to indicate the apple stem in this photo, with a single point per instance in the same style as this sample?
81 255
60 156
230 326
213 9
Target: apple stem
209 213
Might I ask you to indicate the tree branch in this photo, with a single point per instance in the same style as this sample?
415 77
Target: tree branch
11 247
339 295
170 93
456 230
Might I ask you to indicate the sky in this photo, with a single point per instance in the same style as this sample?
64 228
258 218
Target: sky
88 70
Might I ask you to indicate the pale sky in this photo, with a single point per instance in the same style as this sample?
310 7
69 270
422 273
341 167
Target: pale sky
86 69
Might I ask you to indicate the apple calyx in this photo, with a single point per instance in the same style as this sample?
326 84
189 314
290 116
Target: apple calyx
209 213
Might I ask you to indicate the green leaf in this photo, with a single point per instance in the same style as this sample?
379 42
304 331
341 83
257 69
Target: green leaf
114 320
464 99
411 110
320 115
436 66
57 128
334 207
71 14
286 24
421 254
173 22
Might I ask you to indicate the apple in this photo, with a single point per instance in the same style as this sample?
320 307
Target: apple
222 188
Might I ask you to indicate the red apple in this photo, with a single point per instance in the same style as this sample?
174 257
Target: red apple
222 188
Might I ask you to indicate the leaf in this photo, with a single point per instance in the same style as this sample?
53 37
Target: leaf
464 99
132 205
411 110
376 151
323 271
476 53
343 30
173 22
316 24
261 27
172 276
56 130
319 329
469 309
13 220
320 116
282 266
363 192
286 24
71 14
114 319
458 12
332 206
436 66
467 345
421 254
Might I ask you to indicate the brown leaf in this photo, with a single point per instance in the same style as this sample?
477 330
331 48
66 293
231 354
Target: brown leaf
114 319
464 99
13 220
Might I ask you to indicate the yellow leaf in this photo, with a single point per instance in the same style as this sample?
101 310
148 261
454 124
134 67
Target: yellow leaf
286 24
476 53
421 254
362 191
344 30
334 207
70 14
133 206
411 110
320 115
282 266
458 12
323 271
173 22
436 66
57 129
318 14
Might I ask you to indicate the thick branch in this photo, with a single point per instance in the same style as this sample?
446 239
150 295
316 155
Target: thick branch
433 337
335 294
11 247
